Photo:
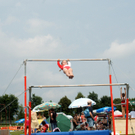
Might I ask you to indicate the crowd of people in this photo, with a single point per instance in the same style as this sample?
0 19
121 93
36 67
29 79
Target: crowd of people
44 125
91 122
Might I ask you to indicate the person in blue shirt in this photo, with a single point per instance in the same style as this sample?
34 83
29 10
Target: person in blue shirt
90 119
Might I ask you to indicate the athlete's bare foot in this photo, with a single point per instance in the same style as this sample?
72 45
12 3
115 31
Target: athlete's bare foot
71 76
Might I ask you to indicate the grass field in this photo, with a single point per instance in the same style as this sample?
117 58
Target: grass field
16 133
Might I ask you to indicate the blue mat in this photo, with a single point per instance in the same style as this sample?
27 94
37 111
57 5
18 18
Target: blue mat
95 132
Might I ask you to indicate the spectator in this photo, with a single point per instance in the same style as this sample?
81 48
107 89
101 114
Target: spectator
53 121
99 125
82 126
82 117
132 113
90 119
39 116
78 119
110 119
44 127
27 123
104 122
39 129
34 121
75 124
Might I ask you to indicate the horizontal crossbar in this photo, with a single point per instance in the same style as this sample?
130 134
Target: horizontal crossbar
69 59
77 85
119 104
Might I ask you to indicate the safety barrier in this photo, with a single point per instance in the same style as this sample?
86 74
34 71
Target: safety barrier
12 128
95 132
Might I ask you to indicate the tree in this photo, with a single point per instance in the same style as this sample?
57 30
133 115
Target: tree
65 102
105 101
11 104
79 95
130 105
20 112
92 95
35 100
117 101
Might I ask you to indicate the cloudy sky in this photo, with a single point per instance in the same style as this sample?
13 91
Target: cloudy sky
66 29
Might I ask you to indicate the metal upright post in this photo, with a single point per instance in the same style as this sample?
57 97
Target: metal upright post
110 79
25 98
127 102
30 110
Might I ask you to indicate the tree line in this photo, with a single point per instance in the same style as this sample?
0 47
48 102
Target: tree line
16 111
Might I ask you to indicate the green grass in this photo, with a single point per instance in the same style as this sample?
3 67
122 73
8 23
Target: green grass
16 133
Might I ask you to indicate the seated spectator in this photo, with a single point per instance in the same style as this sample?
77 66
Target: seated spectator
104 122
86 125
75 124
78 119
39 129
39 116
99 125
82 127
44 127
82 117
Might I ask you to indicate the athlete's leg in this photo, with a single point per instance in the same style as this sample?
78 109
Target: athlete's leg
71 72
123 110
66 72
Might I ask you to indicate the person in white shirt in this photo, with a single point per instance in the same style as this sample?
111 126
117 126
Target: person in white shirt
132 113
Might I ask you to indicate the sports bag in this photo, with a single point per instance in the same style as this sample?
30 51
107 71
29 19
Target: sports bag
86 112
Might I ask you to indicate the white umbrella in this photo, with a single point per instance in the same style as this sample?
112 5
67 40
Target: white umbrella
81 102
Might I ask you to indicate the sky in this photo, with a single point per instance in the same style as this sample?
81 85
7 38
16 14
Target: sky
66 29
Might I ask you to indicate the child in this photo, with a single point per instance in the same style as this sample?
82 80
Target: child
39 129
66 67
44 127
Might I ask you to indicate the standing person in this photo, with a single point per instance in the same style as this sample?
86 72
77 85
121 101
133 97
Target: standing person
66 67
39 116
34 121
132 113
90 119
53 121
123 100
27 123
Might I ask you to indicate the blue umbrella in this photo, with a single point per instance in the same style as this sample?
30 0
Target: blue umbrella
20 121
105 109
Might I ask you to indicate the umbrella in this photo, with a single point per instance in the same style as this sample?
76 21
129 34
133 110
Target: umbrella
46 106
81 102
63 122
104 109
20 121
